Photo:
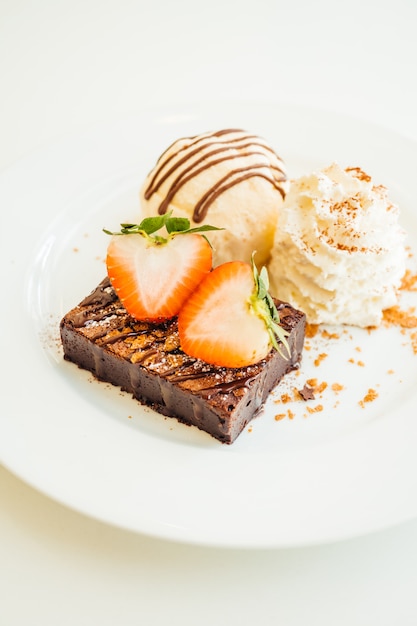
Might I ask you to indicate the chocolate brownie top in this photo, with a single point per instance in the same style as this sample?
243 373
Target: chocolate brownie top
102 319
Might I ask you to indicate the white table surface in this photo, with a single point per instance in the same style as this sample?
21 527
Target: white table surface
65 66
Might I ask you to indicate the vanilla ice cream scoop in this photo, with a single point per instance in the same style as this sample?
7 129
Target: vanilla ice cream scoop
230 179
339 251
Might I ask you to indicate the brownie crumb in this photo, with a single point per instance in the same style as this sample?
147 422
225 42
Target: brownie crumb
312 330
397 317
369 397
280 416
320 358
315 409
307 393
285 398
327 335
359 363
321 387
409 281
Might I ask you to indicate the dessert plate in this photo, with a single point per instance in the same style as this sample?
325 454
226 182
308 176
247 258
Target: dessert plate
304 472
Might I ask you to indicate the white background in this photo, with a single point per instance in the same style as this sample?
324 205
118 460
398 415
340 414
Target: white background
67 66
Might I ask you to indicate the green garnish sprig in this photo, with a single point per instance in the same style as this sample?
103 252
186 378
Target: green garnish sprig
264 306
174 226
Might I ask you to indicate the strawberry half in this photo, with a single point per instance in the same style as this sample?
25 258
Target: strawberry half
231 320
153 275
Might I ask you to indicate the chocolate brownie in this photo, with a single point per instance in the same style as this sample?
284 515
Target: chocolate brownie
146 360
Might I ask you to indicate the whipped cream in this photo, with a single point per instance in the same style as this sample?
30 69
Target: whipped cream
339 251
230 179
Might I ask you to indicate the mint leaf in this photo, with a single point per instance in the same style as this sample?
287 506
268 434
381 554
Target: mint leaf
264 306
150 225
203 229
177 225
264 279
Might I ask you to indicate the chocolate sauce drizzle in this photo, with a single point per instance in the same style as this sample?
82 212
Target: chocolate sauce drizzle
226 387
244 146
102 294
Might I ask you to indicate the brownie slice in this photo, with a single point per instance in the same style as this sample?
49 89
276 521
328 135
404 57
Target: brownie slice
146 360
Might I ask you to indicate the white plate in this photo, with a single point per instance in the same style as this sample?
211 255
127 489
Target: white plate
338 473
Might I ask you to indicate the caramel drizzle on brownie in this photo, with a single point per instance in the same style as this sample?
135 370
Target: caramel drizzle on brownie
251 146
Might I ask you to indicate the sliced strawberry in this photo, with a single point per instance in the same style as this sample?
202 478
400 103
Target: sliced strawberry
228 320
154 275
